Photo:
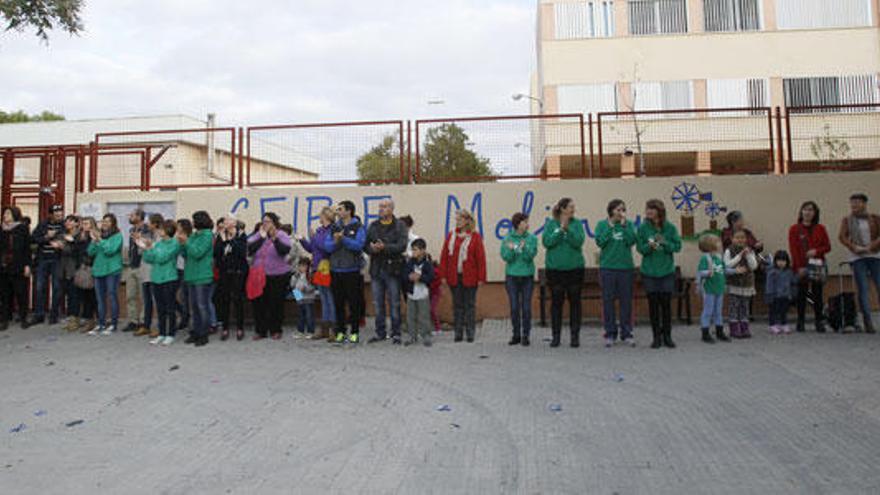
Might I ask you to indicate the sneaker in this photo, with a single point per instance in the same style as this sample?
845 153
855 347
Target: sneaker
353 338
157 340
427 343
375 339
131 327
167 341
786 329
775 330
609 342
298 335
109 330
340 338
96 331
629 341
395 341
142 331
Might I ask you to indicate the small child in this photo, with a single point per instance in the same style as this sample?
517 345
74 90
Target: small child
779 292
419 275
304 293
741 263
712 284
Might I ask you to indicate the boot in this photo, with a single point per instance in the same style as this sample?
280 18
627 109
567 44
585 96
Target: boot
800 327
87 326
72 324
869 325
575 338
657 342
707 337
142 331
516 340
719 334
820 325
555 341
734 330
744 330
667 338
525 341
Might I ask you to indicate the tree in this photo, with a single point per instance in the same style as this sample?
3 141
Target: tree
381 163
20 116
447 154
830 151
42 15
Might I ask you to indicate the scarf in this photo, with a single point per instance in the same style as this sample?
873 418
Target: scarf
462 248
855 233
10 226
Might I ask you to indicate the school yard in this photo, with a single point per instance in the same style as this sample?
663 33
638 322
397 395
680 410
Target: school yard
796 414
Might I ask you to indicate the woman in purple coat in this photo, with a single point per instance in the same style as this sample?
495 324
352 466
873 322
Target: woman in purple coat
269 246
321 270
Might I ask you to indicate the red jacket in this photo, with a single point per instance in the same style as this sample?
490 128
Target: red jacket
802 239
474 268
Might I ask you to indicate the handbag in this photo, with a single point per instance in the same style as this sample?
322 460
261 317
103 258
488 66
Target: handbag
322 274
817 270
256 282
82 278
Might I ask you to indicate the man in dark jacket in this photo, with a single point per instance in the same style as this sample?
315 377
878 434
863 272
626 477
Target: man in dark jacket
345 246
386 243
49 238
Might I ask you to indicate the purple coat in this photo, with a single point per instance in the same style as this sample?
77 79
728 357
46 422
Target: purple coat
270 255
315 245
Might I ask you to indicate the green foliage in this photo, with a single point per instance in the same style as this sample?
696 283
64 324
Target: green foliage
42 15
447 154
20 116
382 163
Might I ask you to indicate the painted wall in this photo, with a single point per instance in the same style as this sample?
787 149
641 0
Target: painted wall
770 204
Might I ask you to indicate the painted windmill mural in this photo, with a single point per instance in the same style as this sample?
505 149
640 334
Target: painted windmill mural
688 199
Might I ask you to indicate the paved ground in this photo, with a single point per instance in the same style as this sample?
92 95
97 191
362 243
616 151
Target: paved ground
799 414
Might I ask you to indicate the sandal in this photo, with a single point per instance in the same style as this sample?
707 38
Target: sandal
239 334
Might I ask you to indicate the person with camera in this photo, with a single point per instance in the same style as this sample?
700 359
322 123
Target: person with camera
49 238
386 243
808 244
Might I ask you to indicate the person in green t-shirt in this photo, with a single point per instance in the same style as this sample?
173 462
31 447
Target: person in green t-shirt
106 248
657 242
616 237
563 238
711 280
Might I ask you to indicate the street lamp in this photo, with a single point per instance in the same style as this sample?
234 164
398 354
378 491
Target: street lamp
520 96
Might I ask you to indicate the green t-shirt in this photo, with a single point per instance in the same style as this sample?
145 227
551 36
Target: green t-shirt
712 279
615 242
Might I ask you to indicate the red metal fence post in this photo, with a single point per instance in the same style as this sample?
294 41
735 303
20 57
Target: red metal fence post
771 166
599 137
788 162
780 155
240 158
409 177
590 130
583 148
418 173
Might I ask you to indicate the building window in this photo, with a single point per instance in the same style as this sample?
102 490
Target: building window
831 91
663 95
587 98
657 16
736 93
732 15
807 14
593 19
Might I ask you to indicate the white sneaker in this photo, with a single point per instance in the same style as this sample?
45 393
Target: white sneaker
629 341
95 331
109 330
167 341
156 341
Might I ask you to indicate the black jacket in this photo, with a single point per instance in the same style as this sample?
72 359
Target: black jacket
427 273
390 260
230 256
15 250
42 237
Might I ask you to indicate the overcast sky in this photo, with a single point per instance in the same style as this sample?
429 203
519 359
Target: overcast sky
276 61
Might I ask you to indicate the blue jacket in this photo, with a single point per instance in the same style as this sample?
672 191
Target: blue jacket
427 273
781 284
347 255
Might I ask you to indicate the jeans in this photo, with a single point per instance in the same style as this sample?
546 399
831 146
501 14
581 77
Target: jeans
418 319
133 294
200 299
617 285
328 309
779 311
48 271
107 288
306 321
182 304
865 270
565 284
212 308
519 292
165 295
386 284
348 291
147 289
464 301
712 310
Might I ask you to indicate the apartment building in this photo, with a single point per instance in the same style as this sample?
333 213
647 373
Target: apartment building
597 56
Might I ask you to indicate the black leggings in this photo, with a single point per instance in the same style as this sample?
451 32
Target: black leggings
269 307
230 292
13 288
88 302
660 310
565 284
348 290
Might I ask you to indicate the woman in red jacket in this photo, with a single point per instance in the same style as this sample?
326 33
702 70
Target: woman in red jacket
808 242
463 268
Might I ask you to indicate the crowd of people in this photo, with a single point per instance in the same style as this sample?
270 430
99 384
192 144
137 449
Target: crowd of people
198 275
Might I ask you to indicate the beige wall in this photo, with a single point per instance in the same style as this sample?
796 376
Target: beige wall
769 202
713 56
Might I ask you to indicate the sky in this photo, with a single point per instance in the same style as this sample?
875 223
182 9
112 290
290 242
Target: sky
278 62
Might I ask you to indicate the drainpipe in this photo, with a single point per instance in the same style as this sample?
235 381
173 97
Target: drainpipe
209 142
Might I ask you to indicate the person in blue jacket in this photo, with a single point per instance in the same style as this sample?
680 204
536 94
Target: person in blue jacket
346 246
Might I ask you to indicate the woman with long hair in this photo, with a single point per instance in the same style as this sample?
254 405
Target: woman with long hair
315 244
808 244
658 242
106 248
15 266
198 274
563 238
463 268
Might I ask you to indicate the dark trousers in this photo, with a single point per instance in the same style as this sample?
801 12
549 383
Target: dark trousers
230 292
306 321
147 291
464 303
88 303
519 292
269 307
348 292
71 301
660 310
617 285
182 303
814 291
779 311
48 273
13 290
565 284
165 296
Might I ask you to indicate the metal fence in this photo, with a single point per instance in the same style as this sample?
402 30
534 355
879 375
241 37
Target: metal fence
832 138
